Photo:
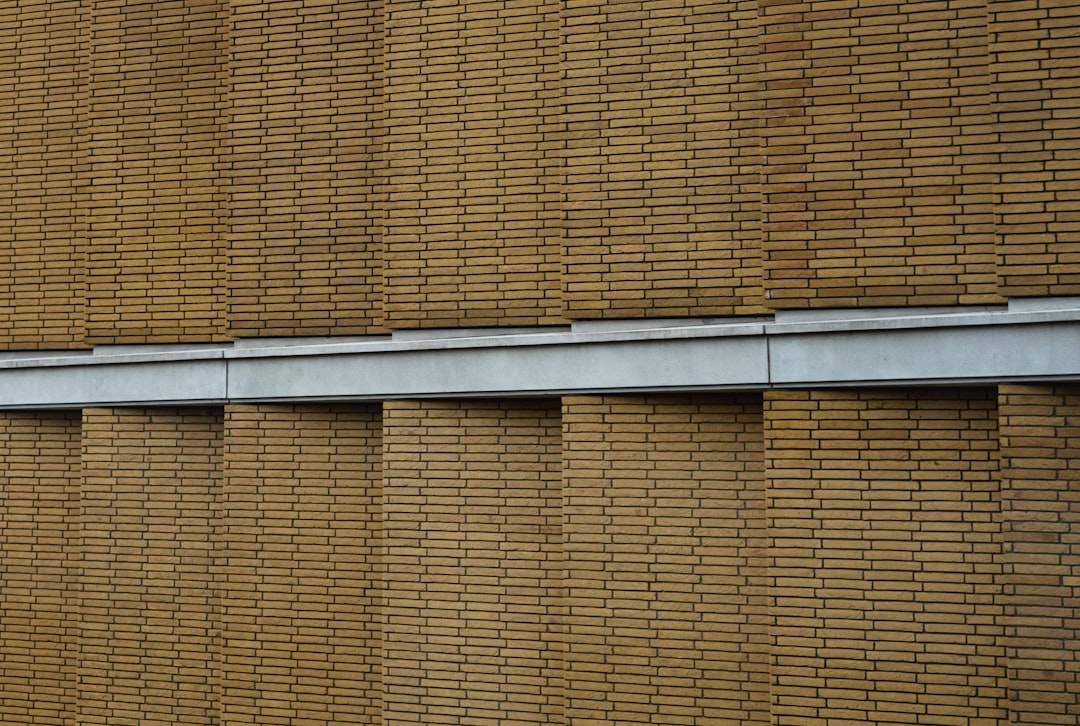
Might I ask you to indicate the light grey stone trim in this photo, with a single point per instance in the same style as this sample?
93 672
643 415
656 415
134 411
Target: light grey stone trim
938 346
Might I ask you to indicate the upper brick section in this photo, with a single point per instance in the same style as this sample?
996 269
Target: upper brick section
155 261
305 228
880 150
43 178
662 207
1036 85
472 107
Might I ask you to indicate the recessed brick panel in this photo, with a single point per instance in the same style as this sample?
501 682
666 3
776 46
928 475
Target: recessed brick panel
302 557
39 535
305 110
664 515
885 557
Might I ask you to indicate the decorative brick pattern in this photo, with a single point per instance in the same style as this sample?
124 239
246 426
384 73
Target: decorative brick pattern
472 106
1036 87
472 508
39 488
1040 460
884 537
42 173
155 259
664 515
662 211
301 523
880 154
305 83
149 607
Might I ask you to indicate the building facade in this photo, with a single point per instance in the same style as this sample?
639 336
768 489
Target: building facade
529 362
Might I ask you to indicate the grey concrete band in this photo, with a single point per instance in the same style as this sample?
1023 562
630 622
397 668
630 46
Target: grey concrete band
956 346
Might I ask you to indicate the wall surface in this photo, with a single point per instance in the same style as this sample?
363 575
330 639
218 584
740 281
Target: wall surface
539 362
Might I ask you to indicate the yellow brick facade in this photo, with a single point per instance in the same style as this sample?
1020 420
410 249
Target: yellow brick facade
200 178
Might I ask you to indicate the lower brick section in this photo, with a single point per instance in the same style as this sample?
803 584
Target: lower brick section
149 608
302 562
664 541
885 551
39 489
472 505
821 558
1040 448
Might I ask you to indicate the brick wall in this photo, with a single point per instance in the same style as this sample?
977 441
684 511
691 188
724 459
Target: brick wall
43 63
884 548
154 268
1036 81
664 545
149 606
39 492
471 216
305 228
880 148
1040 459
301 547
662 211
472 515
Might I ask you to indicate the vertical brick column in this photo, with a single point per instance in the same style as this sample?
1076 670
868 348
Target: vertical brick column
305 113
884 539
155 257
879 148
1036 80
664 544
472 506
472 116
662 210
149 611
1040 459
301 556
42 155
39 487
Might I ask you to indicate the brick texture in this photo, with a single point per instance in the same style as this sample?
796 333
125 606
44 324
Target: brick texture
1036 87
662 210
155 260
43 178
664 544
472 516
880 149
472 115
39 488
301 523
1040 460
149 606
884 537
305 227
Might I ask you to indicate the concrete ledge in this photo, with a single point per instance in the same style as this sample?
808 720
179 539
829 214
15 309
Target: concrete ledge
958 346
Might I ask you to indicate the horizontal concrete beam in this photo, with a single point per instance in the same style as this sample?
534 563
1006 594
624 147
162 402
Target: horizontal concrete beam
958 346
